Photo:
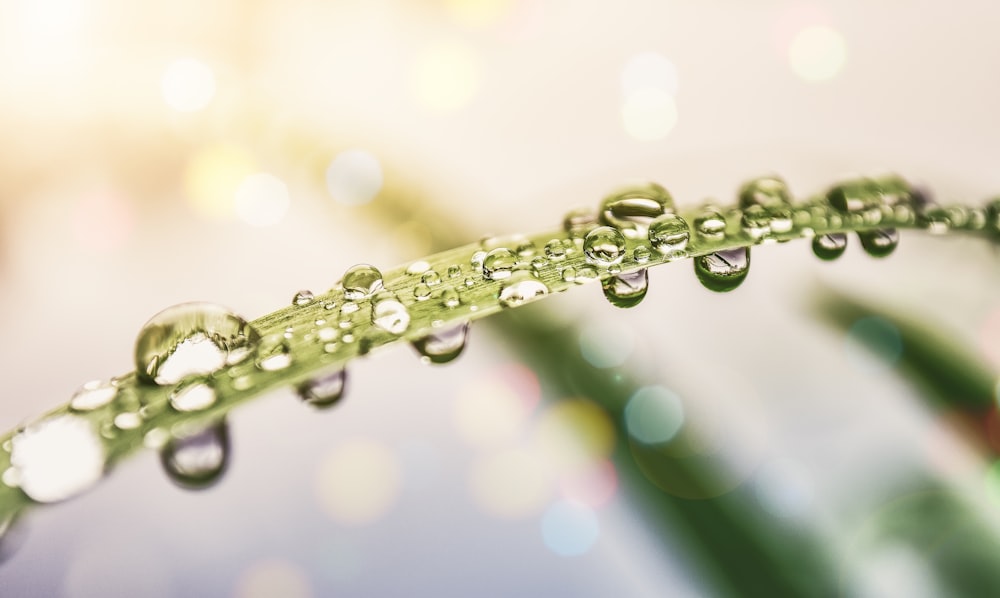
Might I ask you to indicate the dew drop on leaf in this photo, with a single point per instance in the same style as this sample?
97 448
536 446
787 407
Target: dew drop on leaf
324 390
829 246
632 210
626 290
56 458
499 263
879 243
391 315
604 246
93 395
521 289
443 346
361 281
273 353
198 459
723 271
669 234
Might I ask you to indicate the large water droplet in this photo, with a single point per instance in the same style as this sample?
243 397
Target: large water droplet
879 243
391 315
632 210
604 245
829 246
198 459
325 390
274 353
522 288
626 290
444 345
767 192
361 281
193 396
56 458
191 339
499 263
92 395
669 234
723 271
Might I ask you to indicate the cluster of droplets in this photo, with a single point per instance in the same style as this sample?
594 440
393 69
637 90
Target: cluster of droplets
189 355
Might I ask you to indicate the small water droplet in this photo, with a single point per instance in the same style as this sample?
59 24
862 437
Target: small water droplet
390 315
829 246
129 420
554 250
57 458
361 281
198 459
274 353
756 222
418 267
569 274
449 298
421 292
430 278
443 346
723 271
92 395
303 297
522 288
632 210
641 254
854 196
325 390
330 305
626 290
193 396
781 220
526 248
477 260
935 220
879 243
767 192
499 263
669 234
585 274
469 282
454 271
578 221
710 223
191 339
539 263
604 245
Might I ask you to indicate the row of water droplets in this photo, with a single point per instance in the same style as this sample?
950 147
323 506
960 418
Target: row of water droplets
189 355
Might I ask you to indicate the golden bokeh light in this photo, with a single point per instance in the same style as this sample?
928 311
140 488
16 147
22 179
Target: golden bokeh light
212 177
358 482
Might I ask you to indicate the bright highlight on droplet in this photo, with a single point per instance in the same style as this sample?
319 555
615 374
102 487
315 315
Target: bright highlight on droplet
358 482
569 529
354 177
212 177
445 76
654 415
188 85
817 53
649 70
262 200
56 458
511 484
649 114
273 578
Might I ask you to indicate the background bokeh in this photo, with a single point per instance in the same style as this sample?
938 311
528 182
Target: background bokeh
236 152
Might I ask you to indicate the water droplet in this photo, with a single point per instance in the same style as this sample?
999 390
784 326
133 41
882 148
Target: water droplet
829 246
421 292
303 297
499 263
522 288
418 267
274 353
361 281
449 298
767 192
993 215
193 396
128 420
191 339
578 221
92 395
781 220
57 458
477 259
444 345
641 254
539 263
604 245
454 271
430 278
585 274
568 274
879 243
390 315
348 308
756 222
526 248
710 223
324 390
554 250
626 290
935 220
669 234
632 210
330 305
854 196
723 271
198 459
